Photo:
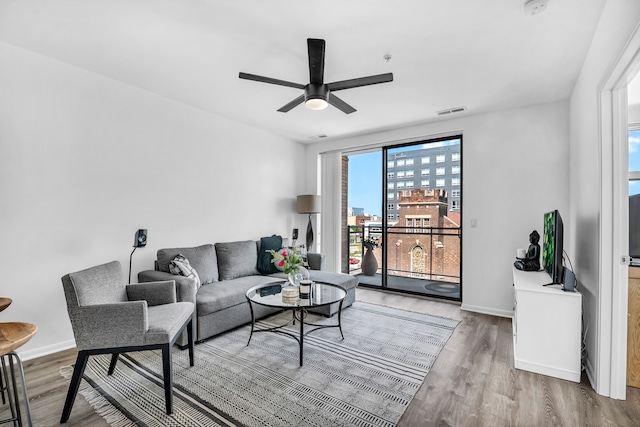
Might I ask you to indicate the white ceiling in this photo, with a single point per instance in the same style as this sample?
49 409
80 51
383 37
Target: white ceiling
484 55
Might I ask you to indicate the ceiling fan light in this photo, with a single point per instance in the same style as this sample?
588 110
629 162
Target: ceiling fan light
316 104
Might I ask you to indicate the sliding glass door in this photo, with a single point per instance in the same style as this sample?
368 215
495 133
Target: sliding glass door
422 231
415 245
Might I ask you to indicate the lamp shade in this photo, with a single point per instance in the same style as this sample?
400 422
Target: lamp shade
308 204
316 104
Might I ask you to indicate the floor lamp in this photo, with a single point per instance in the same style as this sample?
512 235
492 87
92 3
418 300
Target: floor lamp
309 204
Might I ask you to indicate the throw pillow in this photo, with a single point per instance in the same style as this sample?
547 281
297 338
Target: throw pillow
265 266
237 259
181 267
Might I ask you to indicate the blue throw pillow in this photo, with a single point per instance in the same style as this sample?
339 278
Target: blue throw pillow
265 266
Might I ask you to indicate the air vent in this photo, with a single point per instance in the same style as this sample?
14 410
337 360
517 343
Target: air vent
451 111
321 136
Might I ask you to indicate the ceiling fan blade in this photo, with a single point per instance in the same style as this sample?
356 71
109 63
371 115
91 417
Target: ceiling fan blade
340 104
362 81
299 100
316 61
263 79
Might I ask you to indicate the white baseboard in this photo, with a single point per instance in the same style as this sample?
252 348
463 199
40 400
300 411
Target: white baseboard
46 350
552 371
487 310
591 376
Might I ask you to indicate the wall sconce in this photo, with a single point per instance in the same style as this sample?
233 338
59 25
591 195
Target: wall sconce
309 204
139 241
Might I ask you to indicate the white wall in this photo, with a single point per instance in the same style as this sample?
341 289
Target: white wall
618 20
85 161
634 113
515 168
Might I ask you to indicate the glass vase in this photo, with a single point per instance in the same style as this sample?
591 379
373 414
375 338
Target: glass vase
300 274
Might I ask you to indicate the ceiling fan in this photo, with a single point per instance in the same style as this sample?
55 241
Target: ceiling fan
317 94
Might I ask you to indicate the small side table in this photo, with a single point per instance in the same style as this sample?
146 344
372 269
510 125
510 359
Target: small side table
14 335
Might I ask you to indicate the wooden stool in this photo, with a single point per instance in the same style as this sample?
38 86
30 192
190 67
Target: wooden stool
4 303
13 335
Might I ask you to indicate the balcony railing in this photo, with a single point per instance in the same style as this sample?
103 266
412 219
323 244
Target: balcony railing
429 253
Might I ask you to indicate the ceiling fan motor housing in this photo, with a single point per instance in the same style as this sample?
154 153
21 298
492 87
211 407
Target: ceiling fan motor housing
316 96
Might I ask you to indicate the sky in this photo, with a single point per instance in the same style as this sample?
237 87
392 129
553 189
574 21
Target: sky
365 179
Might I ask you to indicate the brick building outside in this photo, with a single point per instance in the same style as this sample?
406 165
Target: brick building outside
425 241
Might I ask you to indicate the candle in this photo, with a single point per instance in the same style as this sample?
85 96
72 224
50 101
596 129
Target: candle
289 294
305 288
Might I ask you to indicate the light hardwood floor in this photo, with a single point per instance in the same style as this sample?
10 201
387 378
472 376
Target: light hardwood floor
472 383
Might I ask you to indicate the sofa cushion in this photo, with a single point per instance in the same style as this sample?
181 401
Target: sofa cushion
265 266
237 259
227 293
202 258
345 281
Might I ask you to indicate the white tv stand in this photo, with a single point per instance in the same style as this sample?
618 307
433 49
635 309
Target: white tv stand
547 327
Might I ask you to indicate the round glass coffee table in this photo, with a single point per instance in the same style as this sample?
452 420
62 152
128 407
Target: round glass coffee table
271 295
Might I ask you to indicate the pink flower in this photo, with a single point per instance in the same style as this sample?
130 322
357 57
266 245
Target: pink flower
284 253
281 263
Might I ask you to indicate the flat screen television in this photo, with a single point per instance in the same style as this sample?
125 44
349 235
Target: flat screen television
552 246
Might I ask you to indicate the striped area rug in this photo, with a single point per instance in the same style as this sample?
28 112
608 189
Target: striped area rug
367 379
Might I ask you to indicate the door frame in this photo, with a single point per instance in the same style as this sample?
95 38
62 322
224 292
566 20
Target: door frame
614 224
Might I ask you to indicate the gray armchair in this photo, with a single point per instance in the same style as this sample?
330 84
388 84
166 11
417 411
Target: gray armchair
109 317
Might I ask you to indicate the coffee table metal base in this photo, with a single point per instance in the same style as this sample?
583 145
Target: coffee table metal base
299 314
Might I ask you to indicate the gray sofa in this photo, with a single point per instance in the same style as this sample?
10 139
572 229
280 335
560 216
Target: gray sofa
226 272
